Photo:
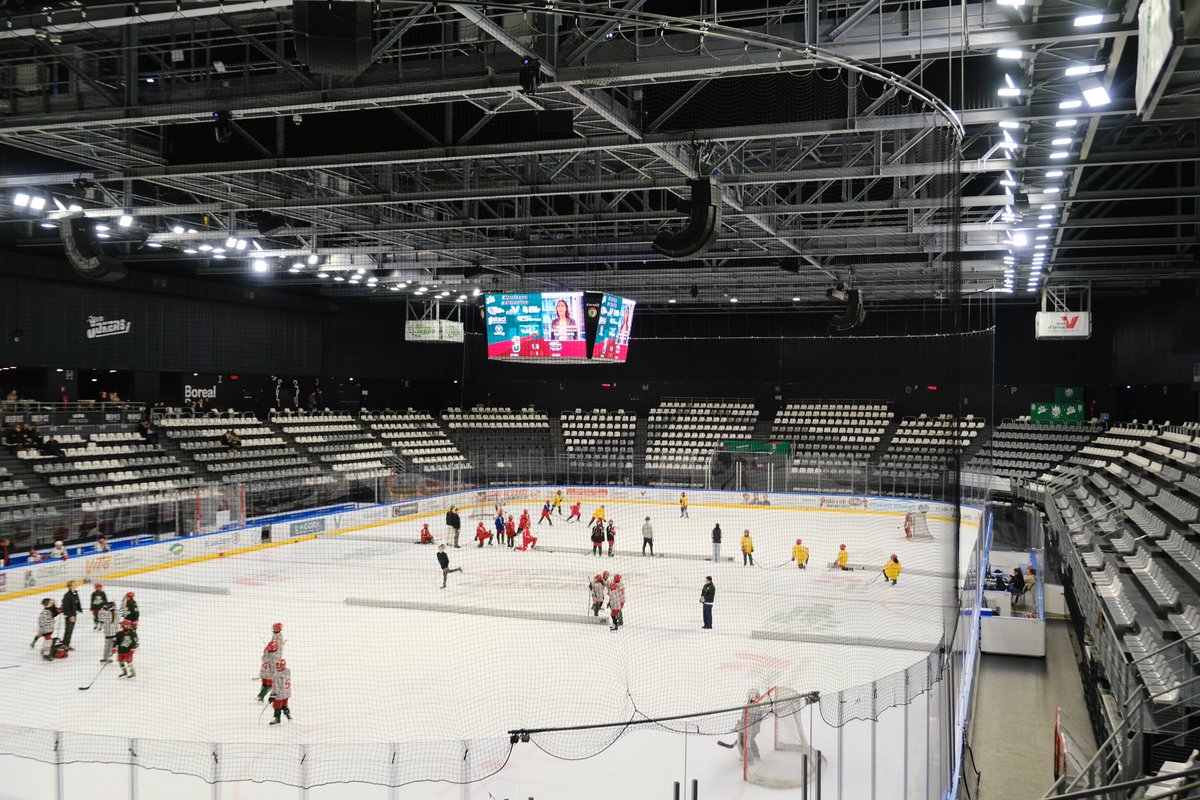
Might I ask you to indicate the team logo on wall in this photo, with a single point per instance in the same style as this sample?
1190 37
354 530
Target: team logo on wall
99 326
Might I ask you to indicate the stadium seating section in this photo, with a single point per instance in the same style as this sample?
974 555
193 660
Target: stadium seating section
338 443
682 434
417 437
598 438
500 437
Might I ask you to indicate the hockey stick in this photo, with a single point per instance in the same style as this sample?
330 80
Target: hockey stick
730 745
12 666
85 688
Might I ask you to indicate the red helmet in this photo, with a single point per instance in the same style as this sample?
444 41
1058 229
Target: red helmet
596 578
99 586
135 622
841 547
126 623
799 541
280 665
129 595
747 531
894 558
277 627
272 646
617 578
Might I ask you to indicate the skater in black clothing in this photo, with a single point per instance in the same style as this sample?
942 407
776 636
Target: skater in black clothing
444 563
98 601
453 523
71 606
610 534
129 609
598 539
708 593
127 642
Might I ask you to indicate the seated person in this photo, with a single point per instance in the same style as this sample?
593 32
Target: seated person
51 447
426 536
15 437
232 440
148 432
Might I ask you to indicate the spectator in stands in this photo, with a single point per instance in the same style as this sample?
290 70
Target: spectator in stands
1016 586
63 397
35 557
102 545
103 396
34 438
11 397
148 432
4 545
51 447
59 551
15 438
232 440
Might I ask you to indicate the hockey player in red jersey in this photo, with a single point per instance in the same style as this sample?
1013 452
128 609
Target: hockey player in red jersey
266 672
127 642
528 540
616 602
525 523
277 638
510 530
281 691
576 513
482 534
426 536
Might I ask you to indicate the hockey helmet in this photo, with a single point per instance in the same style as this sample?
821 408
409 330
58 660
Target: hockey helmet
129 595
617 578
647 519
272 646
799 541
98 586
47 602
280 665
58 543
841 547
895 557
126 623
277 627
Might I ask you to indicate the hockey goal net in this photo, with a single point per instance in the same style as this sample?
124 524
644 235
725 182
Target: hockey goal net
775 751
916 527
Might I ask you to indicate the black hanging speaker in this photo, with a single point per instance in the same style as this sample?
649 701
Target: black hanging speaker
854 315
334 37
703 224
84 253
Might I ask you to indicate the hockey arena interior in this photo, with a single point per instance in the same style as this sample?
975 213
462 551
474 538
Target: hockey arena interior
647 399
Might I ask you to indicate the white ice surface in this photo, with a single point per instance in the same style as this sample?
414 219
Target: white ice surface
385 675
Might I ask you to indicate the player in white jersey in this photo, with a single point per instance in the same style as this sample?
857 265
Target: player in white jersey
616 602
277 638
45 628
281 691
108 625
266 671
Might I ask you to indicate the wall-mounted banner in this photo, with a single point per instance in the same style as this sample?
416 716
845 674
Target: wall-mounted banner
98 327
1063 325
434 330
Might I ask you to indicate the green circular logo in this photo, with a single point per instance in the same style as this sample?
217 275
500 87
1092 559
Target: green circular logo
176 548
591 312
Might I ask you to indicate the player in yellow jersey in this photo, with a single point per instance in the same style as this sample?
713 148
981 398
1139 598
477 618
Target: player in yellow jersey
556 503
843 558
891 570
800 554
597 516
683 514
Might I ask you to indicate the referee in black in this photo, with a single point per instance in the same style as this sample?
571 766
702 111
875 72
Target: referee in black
71 607
707 594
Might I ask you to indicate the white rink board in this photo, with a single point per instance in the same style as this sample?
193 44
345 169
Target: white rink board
398 675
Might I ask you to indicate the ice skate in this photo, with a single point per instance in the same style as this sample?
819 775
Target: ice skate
274 721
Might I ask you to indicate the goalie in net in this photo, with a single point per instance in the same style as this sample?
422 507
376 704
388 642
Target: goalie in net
771 742
916 527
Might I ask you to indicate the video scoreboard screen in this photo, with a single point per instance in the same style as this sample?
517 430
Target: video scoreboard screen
558 326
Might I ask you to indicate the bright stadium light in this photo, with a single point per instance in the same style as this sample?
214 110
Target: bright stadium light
1060 154
230 243
21 200
1066 123
37 202
1061 141
1069 104
259 265
1094 93
313 259
322 275
240 244
125 221
1054 173
393 288
339 278
1009 123
1088 20
1010 54
1043 224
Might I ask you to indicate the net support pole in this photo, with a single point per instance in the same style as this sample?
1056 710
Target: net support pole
133 778
58 767
819 760
804 776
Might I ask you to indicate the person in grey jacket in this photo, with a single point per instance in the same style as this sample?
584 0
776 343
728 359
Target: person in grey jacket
647 537
716 541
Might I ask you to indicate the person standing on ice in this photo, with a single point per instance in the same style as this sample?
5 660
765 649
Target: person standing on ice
444 563
129 608
109 625
647 537
708 593
499 528
453 523
747 549
843 558
127 642
616 602
266 672
546 515
683 501
556 503
891 570
716 542
510 530
800 554
599 588
576 513
598 540
281 688
98 601
525 523
70 608
610 534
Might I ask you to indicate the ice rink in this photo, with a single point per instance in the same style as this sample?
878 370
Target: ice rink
380 653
